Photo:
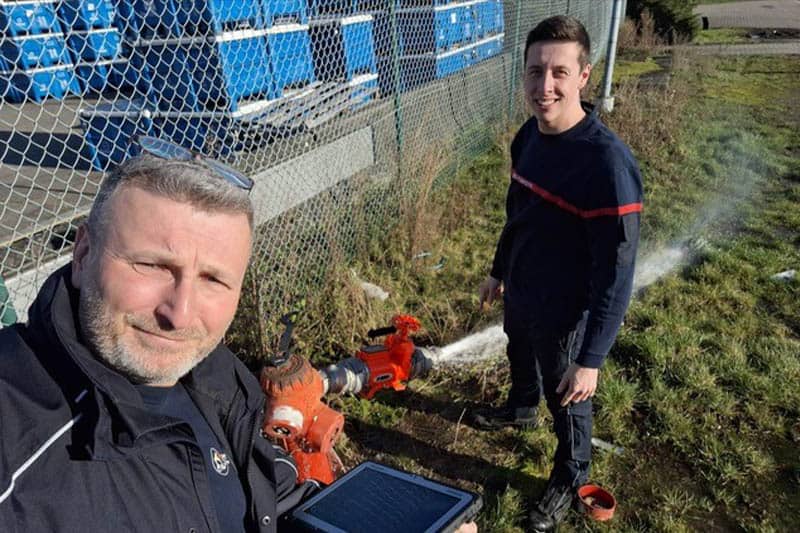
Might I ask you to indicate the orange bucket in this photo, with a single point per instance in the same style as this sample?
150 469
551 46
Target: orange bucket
597 502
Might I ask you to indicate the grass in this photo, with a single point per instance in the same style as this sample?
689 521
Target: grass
701 387
722 36
633 69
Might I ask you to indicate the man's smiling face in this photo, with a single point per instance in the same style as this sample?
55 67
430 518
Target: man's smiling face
159 290
554 78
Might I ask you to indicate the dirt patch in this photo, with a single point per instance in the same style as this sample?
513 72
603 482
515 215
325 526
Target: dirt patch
777 34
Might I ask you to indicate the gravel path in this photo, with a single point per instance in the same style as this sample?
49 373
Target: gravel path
758 14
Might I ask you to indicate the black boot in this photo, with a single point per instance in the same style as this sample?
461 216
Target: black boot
499 417
551 508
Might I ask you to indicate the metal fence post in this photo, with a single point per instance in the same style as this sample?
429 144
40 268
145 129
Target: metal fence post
398 104
606 100
514 60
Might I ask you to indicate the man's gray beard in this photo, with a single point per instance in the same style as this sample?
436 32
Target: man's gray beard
98 330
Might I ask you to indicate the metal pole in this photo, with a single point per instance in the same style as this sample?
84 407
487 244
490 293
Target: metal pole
515 44
606 100
398 85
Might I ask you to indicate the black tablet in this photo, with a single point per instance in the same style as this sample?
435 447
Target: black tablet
375 498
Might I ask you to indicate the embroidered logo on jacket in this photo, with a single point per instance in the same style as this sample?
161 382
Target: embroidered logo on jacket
220 461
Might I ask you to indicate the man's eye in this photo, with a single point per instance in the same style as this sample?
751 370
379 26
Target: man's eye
215 281
149 267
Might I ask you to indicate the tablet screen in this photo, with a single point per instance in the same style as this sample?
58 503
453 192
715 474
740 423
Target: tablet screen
376 498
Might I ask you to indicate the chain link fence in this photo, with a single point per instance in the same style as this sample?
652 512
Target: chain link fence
325 103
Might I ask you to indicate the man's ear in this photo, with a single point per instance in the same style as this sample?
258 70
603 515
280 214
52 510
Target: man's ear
585 73
80 255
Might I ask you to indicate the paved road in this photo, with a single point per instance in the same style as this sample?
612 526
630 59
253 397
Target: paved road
753 14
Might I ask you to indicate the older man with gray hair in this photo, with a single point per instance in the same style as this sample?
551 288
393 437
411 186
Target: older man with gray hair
120 409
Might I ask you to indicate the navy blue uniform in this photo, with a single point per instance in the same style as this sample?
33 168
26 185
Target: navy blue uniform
566 258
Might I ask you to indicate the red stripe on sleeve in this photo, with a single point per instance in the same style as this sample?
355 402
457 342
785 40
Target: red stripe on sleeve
566 206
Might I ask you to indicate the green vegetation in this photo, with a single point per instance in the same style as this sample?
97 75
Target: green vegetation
627 69
674 19
701 387
722 36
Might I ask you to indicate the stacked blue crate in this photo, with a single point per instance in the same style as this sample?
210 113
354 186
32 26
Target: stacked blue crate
232 68
489 18
278 12
199 61
289 56
435 28
110 127
36 64
437 38
343 47
322 8
95 42
344 51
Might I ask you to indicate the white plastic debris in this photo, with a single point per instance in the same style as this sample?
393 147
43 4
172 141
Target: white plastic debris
607 446
786 275
370 289
373 291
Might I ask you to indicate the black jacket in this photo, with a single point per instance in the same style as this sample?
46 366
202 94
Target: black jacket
569 245
78 451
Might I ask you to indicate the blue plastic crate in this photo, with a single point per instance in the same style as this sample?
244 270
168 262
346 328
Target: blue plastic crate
40 84
417 70
201 17
232 67
109 130
465 29
422 3
167 75
86 14
489 18
22 18
318 8
32 51
489 47
148 19
343 48
363 90
190 132
94 45
423 30
290 60
109 76
284 11
359 45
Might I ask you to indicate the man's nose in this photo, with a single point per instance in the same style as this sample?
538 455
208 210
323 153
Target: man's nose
546 82
178 306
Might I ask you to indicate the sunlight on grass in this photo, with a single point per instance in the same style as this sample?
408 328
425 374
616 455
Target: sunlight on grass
722 36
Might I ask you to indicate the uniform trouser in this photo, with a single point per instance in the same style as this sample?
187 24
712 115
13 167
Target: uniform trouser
538 361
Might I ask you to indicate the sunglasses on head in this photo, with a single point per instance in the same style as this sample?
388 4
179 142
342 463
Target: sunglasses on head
175 152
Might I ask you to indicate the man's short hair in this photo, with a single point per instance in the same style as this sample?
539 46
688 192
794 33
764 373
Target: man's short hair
189 182
561 28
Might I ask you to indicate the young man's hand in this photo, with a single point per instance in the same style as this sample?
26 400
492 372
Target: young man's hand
580 383
489 290
469 527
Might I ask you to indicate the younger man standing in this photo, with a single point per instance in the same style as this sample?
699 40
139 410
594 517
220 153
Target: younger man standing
564 261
